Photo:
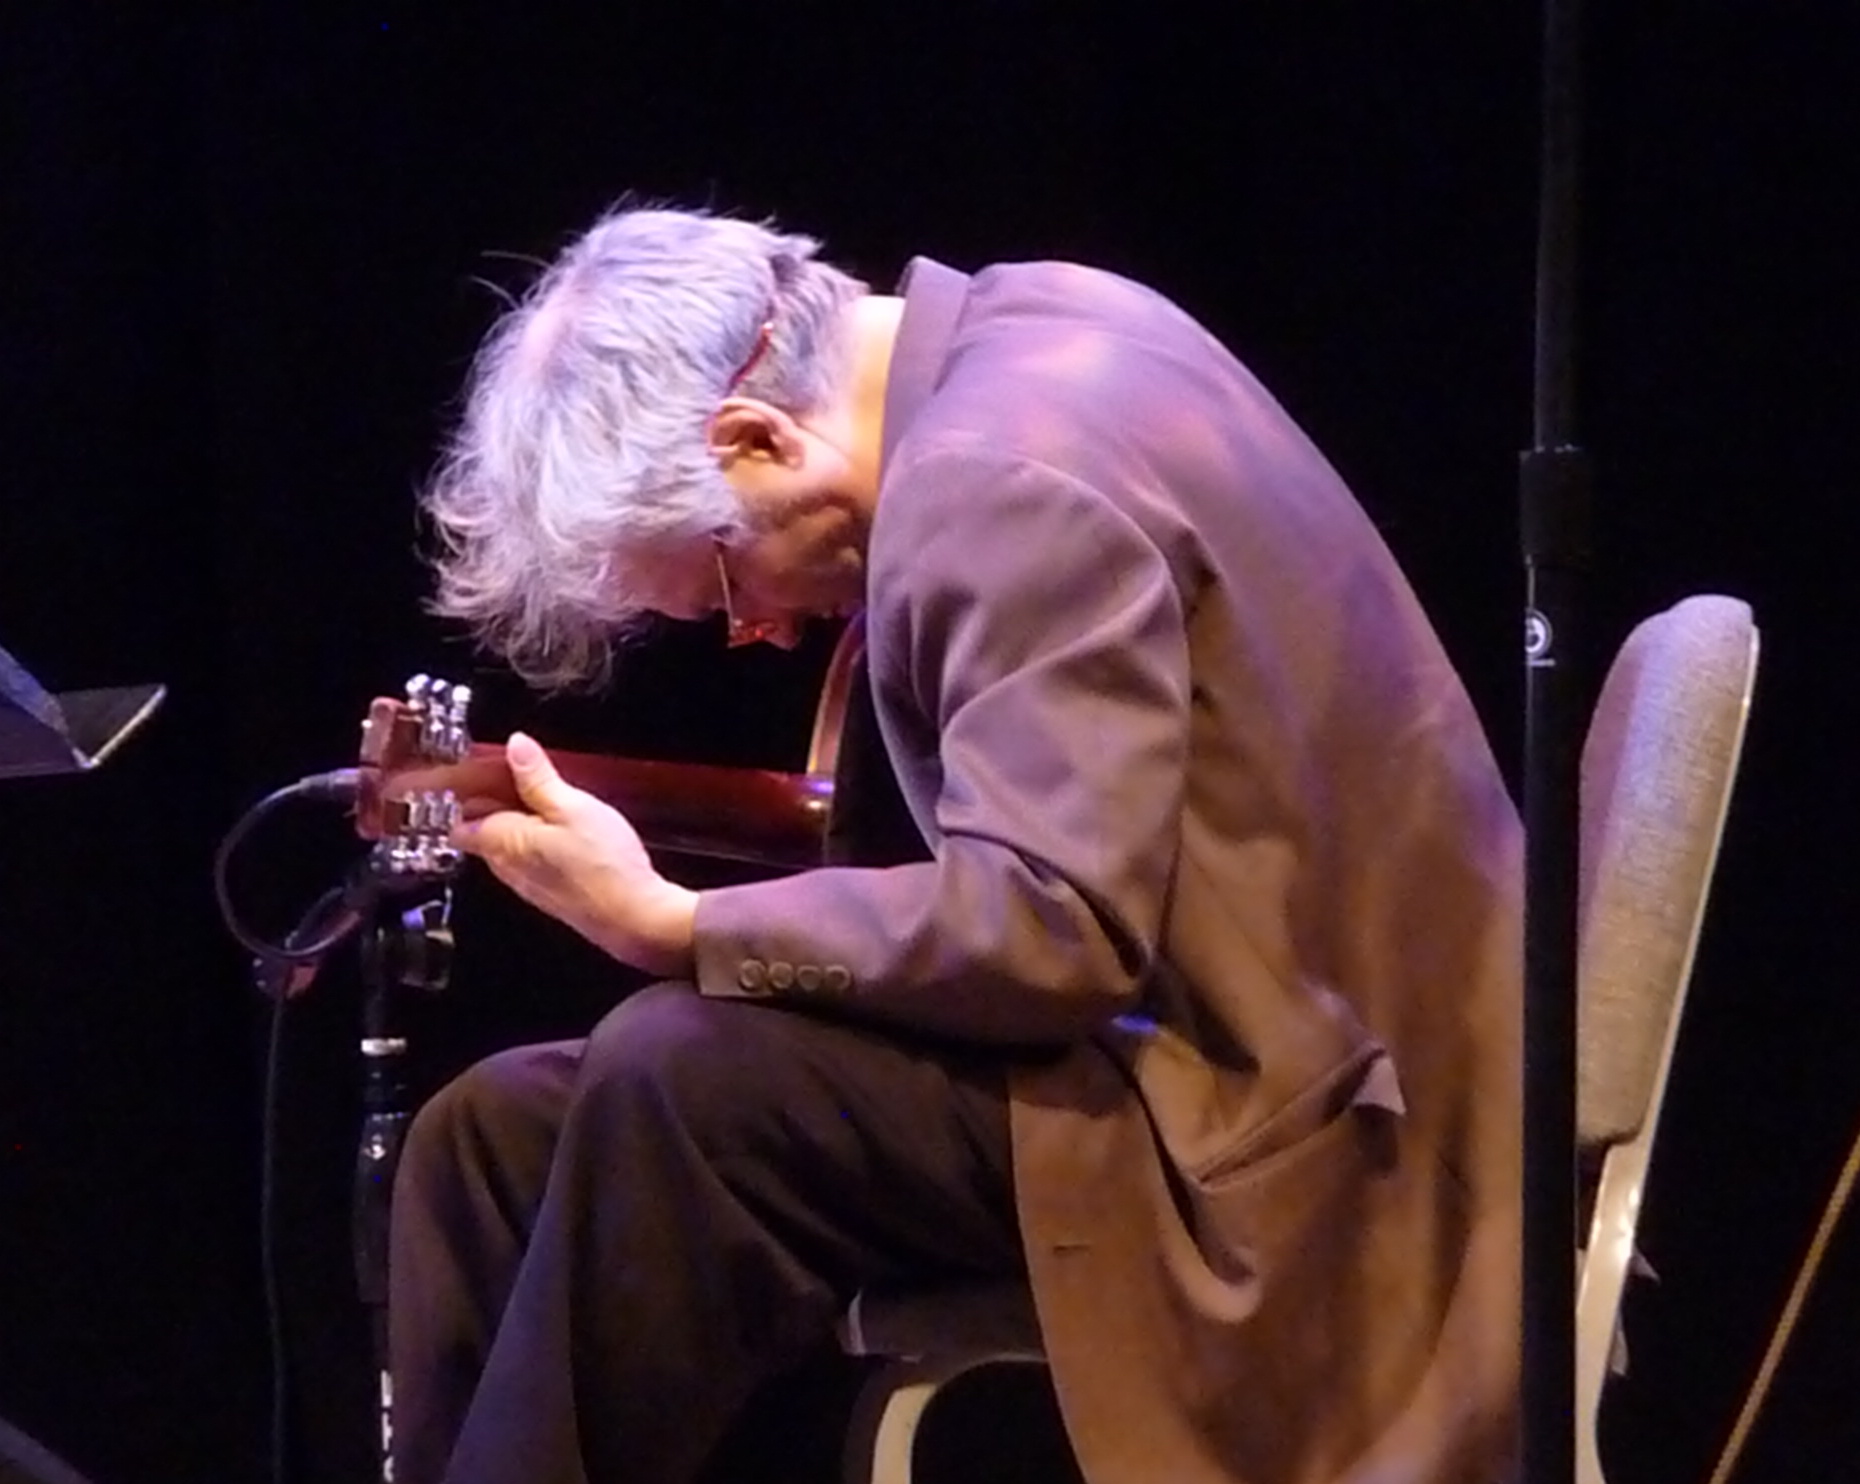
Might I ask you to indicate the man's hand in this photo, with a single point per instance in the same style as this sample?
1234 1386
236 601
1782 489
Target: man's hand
581 862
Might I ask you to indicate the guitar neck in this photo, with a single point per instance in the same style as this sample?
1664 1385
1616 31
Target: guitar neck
741 814
738 814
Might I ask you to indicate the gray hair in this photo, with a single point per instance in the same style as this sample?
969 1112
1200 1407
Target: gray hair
581 457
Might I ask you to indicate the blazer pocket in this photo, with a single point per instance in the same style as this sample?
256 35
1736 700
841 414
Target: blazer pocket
1281 1202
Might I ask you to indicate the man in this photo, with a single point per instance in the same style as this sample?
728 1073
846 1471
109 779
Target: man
1202 1012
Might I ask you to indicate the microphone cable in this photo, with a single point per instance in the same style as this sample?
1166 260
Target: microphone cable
338 786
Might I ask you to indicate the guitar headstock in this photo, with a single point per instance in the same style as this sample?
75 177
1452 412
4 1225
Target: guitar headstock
407 801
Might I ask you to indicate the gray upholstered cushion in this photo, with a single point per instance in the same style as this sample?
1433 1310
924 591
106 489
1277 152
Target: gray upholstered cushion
1656 777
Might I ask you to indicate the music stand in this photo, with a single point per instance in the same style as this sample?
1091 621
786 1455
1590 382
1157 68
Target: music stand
74 732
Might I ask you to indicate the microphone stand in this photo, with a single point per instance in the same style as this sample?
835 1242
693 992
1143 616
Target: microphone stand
413 950
410 949
1554 500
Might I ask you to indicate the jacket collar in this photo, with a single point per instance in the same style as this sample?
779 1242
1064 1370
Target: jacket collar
933 301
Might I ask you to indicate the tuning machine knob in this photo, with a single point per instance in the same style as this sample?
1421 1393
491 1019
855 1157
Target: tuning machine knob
417 839
442 712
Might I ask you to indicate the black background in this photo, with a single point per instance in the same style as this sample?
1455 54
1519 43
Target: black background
243 263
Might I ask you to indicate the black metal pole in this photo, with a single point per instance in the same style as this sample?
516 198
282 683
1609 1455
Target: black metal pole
377 1157
1554 501
411 949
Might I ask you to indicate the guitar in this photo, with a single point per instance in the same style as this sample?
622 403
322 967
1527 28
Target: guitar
420 773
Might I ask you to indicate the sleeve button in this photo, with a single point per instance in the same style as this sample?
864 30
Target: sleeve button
807 978
837 979
752 974
781 976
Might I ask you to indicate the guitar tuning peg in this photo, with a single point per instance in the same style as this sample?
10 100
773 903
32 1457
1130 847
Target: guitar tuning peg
419 843
418 688
458 709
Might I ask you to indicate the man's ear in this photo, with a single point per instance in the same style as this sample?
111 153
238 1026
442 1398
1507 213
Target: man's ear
746 427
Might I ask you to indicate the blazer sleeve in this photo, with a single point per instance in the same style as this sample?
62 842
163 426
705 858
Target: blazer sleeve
1035 636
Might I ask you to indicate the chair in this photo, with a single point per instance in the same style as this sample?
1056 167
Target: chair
927 1338
1657 769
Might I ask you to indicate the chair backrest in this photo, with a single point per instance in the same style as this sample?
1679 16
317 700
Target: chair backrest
1657 770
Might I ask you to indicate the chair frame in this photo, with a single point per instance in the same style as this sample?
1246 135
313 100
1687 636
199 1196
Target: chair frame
1609 1256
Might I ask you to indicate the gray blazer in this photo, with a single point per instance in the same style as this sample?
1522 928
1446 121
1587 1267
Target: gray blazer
1215 825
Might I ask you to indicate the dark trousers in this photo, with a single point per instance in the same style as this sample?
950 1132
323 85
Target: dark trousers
601 1247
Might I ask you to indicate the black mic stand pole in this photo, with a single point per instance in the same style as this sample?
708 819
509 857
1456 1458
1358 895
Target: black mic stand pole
1554 490
412 950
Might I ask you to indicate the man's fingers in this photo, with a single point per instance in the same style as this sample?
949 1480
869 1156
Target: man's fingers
481 836
541 788
498 836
